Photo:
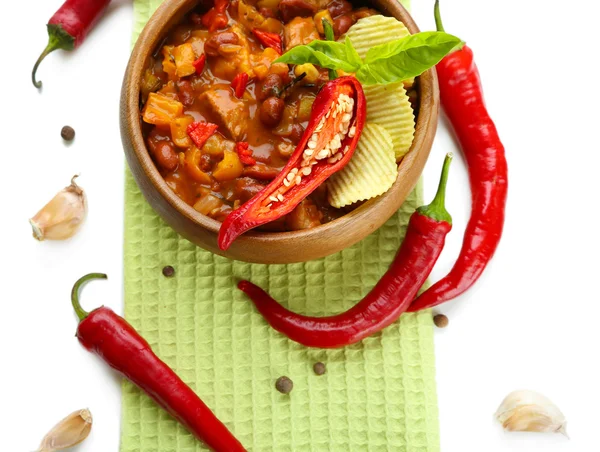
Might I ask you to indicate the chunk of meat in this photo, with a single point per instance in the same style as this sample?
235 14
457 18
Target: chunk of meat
300 31
297 8
227 111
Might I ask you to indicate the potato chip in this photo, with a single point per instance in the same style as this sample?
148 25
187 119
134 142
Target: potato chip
370 172
375 30
389 106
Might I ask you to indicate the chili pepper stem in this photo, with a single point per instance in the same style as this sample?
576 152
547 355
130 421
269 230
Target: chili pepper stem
438 17
81 313
436 209
58 38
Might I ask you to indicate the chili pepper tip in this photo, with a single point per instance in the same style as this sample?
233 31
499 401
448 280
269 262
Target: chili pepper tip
81 314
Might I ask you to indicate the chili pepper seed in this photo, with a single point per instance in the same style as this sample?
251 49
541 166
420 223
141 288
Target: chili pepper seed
284 385
67 133
168 271
319 368
440 320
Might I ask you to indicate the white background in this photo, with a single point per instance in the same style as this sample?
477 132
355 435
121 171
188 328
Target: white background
531 321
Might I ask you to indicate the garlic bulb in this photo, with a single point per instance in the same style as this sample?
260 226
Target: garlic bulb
67 433
529 411
62 216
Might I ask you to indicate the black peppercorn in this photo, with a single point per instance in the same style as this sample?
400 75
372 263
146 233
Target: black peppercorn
168 271
319 368
67 133
284 385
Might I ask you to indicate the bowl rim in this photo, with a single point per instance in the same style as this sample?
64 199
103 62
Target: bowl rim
153 34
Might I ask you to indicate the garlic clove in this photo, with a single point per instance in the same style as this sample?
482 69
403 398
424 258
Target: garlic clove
530 411
62 216
67 433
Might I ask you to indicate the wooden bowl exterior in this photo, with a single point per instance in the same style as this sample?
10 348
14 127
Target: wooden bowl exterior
267 247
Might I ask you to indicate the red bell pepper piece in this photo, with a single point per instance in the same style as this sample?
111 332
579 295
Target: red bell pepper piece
268 39
244 153
239 84
119 345
334 128
216 18
199 64
199 132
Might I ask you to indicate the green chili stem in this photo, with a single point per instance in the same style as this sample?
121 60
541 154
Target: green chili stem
438 17
436 209
81 313
329 36
58 38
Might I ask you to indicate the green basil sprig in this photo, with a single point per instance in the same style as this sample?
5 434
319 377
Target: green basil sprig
386 63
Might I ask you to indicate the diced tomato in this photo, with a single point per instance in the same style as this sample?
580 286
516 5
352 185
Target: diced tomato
199 132
267 39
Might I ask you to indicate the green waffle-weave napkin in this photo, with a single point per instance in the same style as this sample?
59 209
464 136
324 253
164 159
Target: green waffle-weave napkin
378 395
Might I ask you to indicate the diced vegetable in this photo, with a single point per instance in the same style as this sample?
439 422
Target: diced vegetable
161 110
239 83
267 39
305 108
229 168
150 83
199 64
168 63
199 132
248 16
272 26
179 131
207 203
300 31
184 60
304 216
216 145
244 153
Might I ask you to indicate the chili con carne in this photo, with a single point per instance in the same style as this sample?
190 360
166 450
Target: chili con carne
69 26
391 296
462 98
333 130
113 339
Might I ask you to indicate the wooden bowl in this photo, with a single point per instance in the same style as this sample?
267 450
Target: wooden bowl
267 247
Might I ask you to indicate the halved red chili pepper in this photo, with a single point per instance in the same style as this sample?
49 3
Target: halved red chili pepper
216 18
391 296
199 132
199 63
244 153
336 122
268 39
239 84
114 340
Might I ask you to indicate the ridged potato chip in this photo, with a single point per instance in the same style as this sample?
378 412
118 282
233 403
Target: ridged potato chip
370 172
375 30
389 106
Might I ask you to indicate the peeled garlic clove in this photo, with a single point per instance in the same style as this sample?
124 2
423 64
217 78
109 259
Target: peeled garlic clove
69 432
61 218
529 411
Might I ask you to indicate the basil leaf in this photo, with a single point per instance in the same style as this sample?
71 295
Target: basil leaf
352 54
407 57
326 54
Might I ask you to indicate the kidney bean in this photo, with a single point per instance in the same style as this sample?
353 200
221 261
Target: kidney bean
271 86
205 163
185 92
271 111
267 12
211 47
165 155
338 7
297 132
341 24
296 8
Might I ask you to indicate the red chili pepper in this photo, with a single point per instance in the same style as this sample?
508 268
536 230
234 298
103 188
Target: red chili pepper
391 296
113 339
244 153
199 63
268 39
69 26
199 132
310 164
216 18
239 84
462 99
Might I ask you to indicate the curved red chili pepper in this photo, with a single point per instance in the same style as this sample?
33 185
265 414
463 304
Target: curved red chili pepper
199 64
300 177
239 83
113 339
462 99
69 26
391 296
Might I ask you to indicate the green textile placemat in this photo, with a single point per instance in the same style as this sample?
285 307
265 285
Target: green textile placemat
378 395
